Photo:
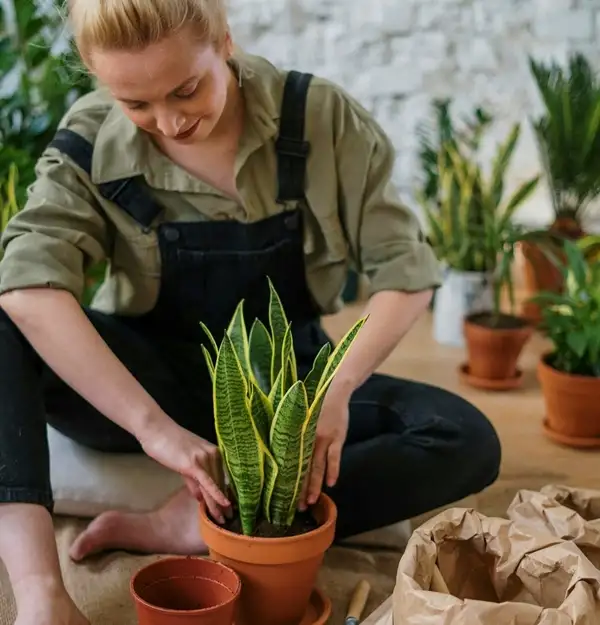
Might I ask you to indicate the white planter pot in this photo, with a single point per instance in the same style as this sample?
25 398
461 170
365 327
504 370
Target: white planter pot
462 293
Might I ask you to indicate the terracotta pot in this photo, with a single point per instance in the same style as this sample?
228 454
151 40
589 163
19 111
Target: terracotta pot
493 352
186 590
572 406
278 574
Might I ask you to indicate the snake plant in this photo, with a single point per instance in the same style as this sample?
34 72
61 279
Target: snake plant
265 416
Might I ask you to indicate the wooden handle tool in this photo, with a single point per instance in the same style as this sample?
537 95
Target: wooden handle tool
358 601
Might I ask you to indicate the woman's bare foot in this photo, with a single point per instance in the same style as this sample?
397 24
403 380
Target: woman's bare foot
172 529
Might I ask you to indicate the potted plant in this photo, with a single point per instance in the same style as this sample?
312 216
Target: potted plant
569 372
460 223
568 140
495 338
435 139
266 419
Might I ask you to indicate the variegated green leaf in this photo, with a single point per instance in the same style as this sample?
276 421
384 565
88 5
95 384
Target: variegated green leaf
209 363
262 412
277 391
238 433
314 376
261 354
287 448
271 473
239 337
338 355
211 338
279 324
287 357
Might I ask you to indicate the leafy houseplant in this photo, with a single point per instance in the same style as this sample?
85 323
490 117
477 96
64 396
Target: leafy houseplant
570 372
265 419
468 227
568 139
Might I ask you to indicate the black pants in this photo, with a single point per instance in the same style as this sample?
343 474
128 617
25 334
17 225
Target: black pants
410 448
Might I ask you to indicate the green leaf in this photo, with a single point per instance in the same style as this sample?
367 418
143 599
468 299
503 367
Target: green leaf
239 338
261 354
279 325
211 338
238 434
262 412
287 443
316 373
578 341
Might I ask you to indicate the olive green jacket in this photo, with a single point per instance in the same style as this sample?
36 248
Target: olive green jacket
355 216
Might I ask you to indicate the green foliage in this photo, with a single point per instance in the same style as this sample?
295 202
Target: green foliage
568 133
44 81
572 319
472 222
265 417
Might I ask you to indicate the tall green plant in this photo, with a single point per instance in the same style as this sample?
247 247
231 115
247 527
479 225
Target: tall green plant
572 319
473 220
265 416
568 136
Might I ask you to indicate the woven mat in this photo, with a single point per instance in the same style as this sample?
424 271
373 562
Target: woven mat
100 586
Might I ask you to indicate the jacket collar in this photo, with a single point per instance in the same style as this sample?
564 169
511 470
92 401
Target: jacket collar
122 150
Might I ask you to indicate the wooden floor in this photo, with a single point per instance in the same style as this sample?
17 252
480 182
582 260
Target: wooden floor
529 459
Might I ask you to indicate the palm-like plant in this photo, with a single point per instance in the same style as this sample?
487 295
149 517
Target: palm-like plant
568 138
265 416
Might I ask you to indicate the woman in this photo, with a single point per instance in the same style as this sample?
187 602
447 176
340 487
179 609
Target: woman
198 172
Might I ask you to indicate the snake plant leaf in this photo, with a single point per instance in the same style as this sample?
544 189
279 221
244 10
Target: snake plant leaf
211 338
238 434
287 431
271 473
261 354
239 337
288 360
279 325
209 363
262 412
277 391
314 375
338 355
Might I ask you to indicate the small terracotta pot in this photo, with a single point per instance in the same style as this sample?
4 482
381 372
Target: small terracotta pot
278 574
185 590
493 352
572 406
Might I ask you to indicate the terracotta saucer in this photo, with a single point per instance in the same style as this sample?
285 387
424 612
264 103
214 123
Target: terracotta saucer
571 441
490 385
319 609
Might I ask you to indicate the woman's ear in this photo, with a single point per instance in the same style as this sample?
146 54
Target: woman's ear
228 46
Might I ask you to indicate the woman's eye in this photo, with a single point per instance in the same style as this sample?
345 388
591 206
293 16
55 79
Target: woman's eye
188 93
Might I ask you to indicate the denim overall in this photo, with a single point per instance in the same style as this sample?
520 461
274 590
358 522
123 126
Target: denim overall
410 447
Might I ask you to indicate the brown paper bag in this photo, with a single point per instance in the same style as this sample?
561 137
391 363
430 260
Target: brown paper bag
496 573
565 512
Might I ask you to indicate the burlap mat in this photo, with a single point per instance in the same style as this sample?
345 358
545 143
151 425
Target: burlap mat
100 586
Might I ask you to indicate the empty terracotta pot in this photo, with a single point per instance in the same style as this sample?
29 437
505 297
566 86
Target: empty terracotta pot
186 590
278 574
572 406
494 350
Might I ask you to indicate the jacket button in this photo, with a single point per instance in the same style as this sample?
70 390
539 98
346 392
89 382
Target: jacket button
171 234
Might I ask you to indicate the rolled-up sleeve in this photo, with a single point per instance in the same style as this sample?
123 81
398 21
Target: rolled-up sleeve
385 236
57 235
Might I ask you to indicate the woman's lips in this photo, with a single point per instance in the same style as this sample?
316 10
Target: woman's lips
189 132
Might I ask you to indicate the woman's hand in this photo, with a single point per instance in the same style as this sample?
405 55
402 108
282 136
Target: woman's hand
197 460
332 429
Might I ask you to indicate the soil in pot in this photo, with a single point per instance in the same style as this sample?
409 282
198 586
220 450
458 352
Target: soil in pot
572 406
186 590
278 568
494 345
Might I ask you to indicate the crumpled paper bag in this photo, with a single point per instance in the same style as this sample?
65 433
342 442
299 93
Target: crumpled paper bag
496 574
565 512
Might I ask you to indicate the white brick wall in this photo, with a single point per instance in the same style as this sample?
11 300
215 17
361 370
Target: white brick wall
395 55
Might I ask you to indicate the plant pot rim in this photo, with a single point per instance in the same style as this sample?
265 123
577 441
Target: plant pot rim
330 520
527 324
583 379
200 611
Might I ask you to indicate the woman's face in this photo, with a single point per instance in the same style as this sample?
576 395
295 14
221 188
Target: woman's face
176 89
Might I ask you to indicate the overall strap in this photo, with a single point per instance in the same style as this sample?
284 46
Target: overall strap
130 194
291 147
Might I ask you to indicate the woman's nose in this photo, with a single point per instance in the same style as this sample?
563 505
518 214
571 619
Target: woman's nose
170 124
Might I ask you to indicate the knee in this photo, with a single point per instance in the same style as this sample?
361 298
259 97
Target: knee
481 449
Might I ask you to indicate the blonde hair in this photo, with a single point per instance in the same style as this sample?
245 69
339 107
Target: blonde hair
135 24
